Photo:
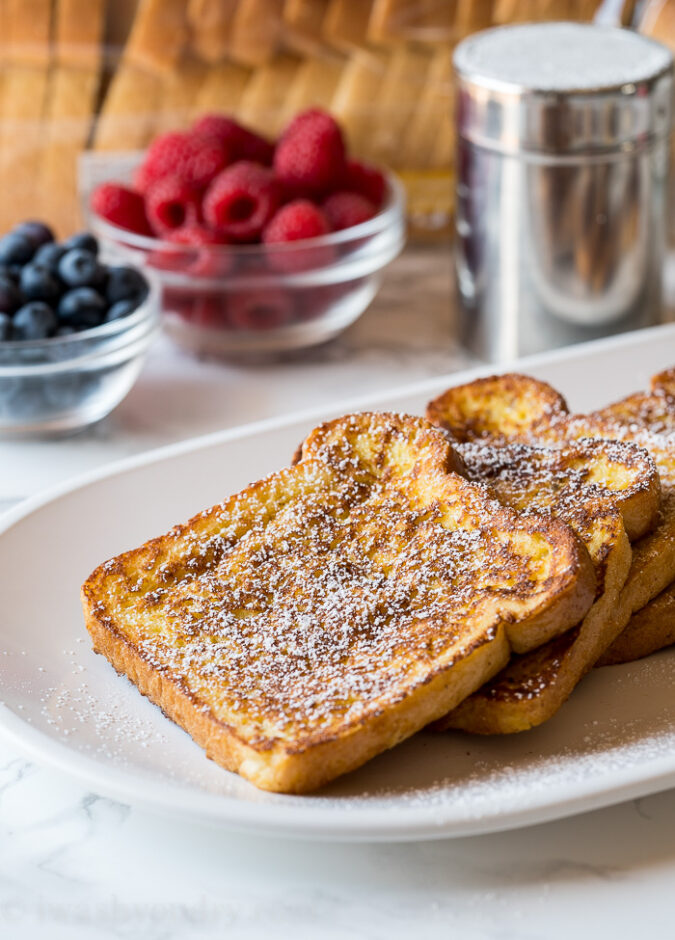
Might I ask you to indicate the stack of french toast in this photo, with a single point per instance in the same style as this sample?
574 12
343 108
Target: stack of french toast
461 571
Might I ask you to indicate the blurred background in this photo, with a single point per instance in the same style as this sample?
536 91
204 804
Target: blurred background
109 76
88 91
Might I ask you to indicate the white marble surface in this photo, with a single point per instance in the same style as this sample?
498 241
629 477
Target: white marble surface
73 865
76 866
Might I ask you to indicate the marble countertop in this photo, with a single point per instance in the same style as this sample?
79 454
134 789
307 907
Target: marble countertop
74 865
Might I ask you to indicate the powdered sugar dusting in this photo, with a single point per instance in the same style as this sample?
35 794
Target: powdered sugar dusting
451 778
334 588
576 482
67 709
506 420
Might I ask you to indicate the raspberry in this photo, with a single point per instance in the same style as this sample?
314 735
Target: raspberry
197 160
315 302
178 300
195 235
241 201
202 262
264 309
171 203
344 209
297 221
366 180
241 143
209 311
121 206
201 308
165 260
310 157
303 118
196 256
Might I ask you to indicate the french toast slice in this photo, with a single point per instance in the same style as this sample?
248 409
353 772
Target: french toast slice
648 415
650 629
653 410
588 484
500 409
332 609
663 384
497 408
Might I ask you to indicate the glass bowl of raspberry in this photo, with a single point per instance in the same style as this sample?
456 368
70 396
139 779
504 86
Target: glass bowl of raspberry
264 248
74 331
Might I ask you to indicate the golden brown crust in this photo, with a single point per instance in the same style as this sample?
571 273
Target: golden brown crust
653 411
332 442
504 409
331 609
574 482
650 629
531 688
286 770
484 407
663 383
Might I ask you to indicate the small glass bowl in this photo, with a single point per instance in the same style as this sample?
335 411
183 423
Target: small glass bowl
224 300
62 384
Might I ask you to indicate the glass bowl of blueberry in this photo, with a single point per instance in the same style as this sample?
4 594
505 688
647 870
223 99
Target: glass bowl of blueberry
73 331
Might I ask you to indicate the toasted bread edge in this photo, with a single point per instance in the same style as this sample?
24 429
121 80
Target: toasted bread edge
650 629
483 714
277 768
565 596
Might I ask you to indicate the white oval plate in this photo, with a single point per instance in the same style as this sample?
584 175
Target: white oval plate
61 704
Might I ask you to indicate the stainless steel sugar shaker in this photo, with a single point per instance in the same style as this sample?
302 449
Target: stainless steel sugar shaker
562 167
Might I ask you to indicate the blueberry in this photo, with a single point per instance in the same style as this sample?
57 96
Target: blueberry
15 271
121 309
65 330
100 280
37 283
5 327
37 233
49 255
125 284
78 268
10 296
83 241
35 320
82 308
15 249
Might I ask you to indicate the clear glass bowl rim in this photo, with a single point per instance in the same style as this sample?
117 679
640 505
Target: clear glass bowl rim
390 213
78 344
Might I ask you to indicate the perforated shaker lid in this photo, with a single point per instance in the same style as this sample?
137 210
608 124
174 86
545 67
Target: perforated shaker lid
563 88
